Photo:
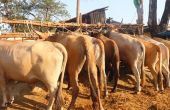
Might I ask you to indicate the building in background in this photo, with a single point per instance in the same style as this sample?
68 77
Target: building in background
92 17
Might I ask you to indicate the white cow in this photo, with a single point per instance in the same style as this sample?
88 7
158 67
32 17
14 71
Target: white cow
131 51
31 61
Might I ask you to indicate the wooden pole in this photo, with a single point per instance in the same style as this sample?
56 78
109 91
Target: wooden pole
50 24
78 11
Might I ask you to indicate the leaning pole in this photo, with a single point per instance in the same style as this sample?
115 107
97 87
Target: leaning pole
78 11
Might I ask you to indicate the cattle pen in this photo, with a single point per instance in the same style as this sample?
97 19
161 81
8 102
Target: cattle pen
69 24
34 97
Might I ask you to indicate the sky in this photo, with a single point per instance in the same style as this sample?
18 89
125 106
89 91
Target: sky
118 9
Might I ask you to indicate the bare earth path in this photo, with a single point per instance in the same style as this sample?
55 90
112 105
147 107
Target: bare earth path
27 98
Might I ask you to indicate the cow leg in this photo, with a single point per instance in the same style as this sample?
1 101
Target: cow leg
137 76
4 90
103 80
105 83
142 72
115 71
108 72
155 76
11 97
67 79
161 81
75 88
95 96
165 71
52 89
74 70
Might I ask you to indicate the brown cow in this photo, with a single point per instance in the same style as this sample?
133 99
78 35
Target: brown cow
165 59
112 59
165 42
100 62
80 49
153 59
99 56
131 51
31 61
99 52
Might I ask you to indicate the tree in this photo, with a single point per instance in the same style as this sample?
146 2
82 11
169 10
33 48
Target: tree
15 9
50 10
45 10
165 17
152 19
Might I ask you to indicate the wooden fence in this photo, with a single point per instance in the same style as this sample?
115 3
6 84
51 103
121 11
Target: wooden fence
58 25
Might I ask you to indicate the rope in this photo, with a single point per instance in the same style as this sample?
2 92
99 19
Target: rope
24 29
41 23
29 29
65 28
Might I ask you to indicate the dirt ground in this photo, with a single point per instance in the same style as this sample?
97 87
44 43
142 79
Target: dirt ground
29 98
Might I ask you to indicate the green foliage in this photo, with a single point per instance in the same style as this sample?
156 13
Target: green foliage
45 10
50 10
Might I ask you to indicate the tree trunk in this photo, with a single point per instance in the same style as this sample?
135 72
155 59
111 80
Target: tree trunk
152 20
139 9
165 17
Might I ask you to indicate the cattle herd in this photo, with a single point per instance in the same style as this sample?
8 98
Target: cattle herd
62 54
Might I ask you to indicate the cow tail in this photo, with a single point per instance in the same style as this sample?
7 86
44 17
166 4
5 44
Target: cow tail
89 59
160 60
103 78
116 63
59 98
142 64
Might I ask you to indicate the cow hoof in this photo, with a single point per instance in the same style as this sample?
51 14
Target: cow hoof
137 92
157 89
62 108
10 102
162 90
4 105
71 108
106 93
114 90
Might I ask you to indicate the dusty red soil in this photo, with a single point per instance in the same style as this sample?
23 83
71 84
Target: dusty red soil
27 98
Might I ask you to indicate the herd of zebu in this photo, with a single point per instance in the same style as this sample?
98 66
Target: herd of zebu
67 53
